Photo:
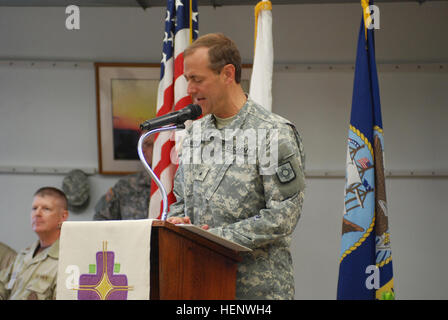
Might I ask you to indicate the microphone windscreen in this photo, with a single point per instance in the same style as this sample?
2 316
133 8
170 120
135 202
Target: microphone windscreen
196 111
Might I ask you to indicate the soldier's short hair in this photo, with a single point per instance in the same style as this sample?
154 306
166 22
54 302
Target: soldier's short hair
221 51
53 192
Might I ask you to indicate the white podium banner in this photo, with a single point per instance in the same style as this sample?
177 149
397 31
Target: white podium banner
104 260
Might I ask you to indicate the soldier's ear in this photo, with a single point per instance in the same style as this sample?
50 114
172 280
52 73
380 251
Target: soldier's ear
64 215
228 73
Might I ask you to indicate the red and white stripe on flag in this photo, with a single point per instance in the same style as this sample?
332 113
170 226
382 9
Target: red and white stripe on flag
181 28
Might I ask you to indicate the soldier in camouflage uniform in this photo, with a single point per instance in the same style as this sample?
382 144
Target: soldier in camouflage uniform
128 199
33 274
239 201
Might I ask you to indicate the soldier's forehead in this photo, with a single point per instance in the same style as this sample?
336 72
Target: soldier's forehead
47 199
44 196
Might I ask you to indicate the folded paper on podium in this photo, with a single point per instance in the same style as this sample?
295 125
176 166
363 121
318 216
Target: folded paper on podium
144 259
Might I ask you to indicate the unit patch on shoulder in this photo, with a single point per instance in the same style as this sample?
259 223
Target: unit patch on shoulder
285 173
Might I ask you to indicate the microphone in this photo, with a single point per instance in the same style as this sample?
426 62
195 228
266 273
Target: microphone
190 112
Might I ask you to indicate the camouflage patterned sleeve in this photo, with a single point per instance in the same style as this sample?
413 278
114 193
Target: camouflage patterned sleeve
5 276
108 207
283 193
177 209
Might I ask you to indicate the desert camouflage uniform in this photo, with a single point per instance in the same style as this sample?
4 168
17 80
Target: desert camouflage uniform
128 199
7 256
31 278
244 206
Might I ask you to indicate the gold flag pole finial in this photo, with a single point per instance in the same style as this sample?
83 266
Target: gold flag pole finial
366 14
262 5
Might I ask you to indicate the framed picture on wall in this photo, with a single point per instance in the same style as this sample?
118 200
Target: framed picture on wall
126 97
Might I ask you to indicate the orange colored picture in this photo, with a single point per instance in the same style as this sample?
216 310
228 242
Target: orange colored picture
133 102
126 97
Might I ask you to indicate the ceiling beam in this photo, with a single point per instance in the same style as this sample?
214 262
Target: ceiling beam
162 3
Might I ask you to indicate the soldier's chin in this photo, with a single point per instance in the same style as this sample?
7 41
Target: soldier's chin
203 104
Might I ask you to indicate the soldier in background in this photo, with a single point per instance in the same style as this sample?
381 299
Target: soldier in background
129 198
33 274
240 202
7 255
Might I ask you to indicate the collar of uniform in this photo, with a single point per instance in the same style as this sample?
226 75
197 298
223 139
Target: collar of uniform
237 122
53 251
28 252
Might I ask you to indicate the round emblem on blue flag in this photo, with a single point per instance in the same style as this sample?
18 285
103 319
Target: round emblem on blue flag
359 204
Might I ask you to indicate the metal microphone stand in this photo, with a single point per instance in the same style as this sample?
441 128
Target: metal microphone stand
148 168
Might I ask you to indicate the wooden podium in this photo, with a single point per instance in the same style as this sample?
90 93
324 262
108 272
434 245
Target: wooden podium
188 266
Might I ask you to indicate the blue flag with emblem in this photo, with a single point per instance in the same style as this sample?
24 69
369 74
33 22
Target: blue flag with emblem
365 265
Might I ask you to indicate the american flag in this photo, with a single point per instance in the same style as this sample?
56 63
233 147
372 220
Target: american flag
181 28
364 163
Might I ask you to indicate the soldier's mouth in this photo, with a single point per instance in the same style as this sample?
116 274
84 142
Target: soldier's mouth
198 100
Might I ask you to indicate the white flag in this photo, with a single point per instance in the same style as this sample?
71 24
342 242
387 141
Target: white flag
261 81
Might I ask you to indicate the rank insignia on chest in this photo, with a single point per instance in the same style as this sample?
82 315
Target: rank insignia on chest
285 173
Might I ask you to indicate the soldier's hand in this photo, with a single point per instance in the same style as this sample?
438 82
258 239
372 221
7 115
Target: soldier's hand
179 220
